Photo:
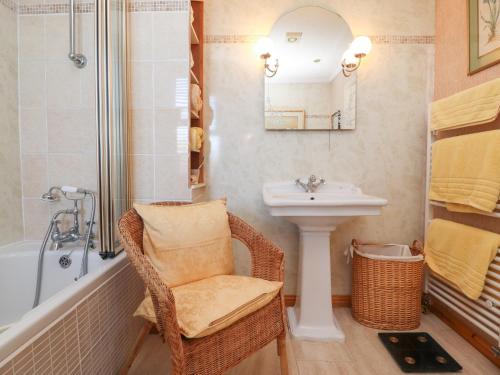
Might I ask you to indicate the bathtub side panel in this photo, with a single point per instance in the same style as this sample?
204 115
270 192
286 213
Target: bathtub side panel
93 337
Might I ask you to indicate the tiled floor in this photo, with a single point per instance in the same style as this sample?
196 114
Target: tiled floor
361 354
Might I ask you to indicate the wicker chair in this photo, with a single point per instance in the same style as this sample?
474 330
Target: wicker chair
224 349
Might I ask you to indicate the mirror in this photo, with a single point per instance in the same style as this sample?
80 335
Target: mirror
309 90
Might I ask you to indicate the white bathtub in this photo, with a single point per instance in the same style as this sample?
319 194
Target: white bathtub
61 289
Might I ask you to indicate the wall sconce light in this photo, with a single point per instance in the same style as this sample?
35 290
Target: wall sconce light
264 48
351 59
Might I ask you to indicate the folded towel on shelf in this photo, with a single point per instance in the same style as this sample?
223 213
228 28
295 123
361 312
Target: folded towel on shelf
466 171
460 254
196 100
475 106
196 138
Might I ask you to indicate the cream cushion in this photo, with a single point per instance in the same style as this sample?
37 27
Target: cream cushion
187 243
209 305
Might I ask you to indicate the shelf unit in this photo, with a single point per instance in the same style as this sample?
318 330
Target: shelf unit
196 160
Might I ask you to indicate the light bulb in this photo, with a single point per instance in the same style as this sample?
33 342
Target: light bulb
264 47
361 46
348 59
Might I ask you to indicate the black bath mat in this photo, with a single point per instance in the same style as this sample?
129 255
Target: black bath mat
418 352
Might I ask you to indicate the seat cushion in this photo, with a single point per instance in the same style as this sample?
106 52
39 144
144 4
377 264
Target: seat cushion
207 306
187 243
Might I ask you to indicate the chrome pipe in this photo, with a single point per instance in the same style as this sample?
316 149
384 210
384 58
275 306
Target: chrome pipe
84 268
78 59
41 253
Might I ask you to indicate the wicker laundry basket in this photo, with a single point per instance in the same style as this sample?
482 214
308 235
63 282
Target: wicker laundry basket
386 292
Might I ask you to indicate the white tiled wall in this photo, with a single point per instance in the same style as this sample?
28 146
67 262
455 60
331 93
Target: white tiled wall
11 227
159 104
57 111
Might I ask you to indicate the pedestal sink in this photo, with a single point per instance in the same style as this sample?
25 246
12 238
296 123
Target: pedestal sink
317 214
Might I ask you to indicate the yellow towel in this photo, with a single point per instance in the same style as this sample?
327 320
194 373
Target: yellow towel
466 171
460 254
475 106
196 138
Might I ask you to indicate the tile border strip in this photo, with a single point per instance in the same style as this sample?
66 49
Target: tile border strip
376 39
40 9
158 6
403 39
89 7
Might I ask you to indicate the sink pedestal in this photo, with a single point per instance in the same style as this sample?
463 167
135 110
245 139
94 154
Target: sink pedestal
317 214
312 316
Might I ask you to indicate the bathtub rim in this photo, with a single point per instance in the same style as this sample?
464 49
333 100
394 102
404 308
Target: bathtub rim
39 320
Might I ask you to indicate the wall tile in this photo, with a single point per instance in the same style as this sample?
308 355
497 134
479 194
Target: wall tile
32 85
63 85
170 35
88 91
142 141
73 170
142 85
31 38
58 106
141 43
85 35
172 178
33 126
143 176
171 132
23 363
171 84
56 41
34 175
159 88
36 218
71 131
10 186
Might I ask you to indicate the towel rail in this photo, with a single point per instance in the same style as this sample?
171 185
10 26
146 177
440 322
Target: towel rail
493 276
484 313
467 313
480 306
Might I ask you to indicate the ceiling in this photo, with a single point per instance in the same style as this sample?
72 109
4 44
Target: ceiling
325 36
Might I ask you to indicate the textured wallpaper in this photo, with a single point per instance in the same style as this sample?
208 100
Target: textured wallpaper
385 155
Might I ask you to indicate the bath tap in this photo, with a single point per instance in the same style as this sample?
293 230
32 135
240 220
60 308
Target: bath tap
311 185
73 234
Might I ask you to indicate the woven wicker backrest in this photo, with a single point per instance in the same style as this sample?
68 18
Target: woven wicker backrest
131 229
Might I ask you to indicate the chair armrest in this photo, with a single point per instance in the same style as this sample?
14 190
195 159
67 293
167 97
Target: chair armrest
131 227
267 258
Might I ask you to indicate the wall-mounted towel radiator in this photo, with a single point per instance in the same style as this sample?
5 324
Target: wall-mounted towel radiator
484 313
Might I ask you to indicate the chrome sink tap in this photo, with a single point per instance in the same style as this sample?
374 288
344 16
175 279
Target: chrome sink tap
311 185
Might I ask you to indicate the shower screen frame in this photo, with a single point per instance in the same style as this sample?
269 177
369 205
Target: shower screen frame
112 123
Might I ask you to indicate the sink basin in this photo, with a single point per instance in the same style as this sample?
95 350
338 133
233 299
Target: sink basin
317 214
330 205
